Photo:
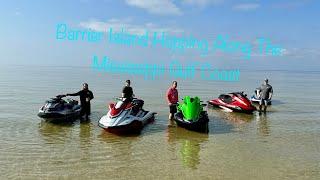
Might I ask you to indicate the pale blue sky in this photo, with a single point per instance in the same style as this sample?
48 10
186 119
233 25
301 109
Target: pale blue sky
28 30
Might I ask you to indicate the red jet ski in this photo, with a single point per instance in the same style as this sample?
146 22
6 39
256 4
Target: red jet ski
233 102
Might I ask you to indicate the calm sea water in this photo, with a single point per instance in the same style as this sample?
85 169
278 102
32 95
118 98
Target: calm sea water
283 144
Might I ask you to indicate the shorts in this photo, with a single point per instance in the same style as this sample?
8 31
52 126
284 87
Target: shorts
85 109
264 101
173 109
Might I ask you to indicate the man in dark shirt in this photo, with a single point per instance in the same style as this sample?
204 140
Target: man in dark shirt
85 97
265 92
127 91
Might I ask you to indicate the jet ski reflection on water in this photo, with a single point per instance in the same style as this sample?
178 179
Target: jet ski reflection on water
256 99
126 116
233 102
58 108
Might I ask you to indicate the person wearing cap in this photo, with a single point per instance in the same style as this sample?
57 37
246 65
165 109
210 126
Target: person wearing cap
265 92
127 91
172 99
85 97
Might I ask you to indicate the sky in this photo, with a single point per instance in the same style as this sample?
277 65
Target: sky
28 31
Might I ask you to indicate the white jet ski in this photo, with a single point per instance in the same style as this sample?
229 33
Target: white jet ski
126 116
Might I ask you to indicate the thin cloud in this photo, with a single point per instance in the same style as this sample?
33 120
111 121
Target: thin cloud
246 7
17 12
128 25
292 4
159 7
202 3
301 52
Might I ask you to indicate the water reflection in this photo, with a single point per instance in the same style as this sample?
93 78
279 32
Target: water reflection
62 121
277 102
239 119
189 145
119 148
226 122
86 128
54 133
263 124
233 117
85 138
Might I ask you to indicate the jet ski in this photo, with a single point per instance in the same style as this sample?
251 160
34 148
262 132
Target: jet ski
191 115
233 102
255 98
126 117
58 108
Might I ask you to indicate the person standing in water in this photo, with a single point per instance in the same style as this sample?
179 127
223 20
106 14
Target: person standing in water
85 97
265 92
172 99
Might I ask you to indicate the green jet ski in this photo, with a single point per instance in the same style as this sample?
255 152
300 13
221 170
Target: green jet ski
191 115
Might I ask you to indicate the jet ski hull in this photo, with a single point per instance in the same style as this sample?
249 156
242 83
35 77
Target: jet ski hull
135 127
199 126
59 109
56 115
233 102
253 99
126 118
231 109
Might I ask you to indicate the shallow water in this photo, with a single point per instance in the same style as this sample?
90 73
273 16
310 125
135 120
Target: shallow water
282 144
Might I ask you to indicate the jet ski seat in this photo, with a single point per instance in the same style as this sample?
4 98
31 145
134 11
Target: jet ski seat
225 98
138 105
138 102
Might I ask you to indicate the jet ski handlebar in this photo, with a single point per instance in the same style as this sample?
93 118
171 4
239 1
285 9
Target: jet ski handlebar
122 98
200 100
60 96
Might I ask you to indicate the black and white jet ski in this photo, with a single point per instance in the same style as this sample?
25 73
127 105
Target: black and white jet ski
126 117
58 108
256 99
